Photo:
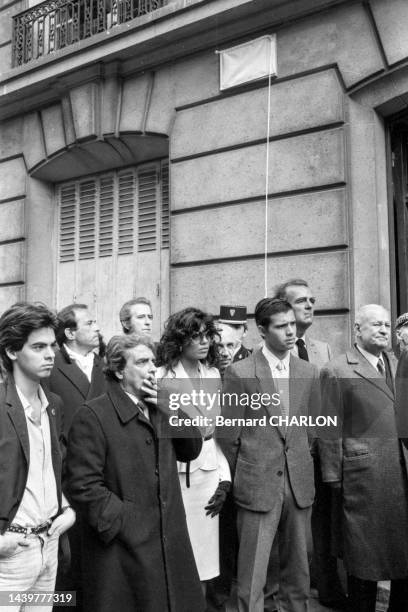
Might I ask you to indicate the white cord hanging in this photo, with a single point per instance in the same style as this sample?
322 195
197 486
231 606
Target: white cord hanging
268 123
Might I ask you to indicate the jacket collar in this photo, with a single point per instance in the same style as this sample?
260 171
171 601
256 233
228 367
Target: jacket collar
17 415
126 409
365 370
74 374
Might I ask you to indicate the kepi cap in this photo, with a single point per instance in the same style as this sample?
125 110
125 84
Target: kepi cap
401 321
233 315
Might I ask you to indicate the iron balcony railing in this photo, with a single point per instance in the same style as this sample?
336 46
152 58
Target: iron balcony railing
56 24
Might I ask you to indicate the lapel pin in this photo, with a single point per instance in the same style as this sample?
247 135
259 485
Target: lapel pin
53 411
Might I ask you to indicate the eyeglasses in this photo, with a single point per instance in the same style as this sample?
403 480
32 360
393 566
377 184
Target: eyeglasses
198 337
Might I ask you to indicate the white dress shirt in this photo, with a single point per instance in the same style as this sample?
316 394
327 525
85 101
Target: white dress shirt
40 499
280 372
84 362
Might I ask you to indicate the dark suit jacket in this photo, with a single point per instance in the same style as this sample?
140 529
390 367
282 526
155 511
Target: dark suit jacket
258 455
15 452
69 382
122 475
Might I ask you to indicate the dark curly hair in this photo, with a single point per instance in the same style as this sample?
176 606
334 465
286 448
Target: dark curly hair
17 323
178 331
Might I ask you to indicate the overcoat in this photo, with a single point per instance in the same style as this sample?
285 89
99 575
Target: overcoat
123 479
367 458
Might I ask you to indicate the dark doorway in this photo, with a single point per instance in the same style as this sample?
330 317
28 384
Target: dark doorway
399 213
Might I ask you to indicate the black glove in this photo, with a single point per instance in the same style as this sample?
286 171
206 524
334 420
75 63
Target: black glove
216 502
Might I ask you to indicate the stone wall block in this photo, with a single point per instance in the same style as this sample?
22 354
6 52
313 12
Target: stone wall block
110 101
135 97
33 138
299 222
10 295
6 22
11 138
68 119
5 58
12 178
346 36
301 162
196 78
85 105
54 135
391 17
160 109
315 100
11 220
243 281
12 262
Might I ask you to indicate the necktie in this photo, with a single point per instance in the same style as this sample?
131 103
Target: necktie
385 374
283 389
302 350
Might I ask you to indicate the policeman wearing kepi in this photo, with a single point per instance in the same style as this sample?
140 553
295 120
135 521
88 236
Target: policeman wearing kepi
232 328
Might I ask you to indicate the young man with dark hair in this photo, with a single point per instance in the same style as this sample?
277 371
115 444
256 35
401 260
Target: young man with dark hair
324 565
136 316
272 464
33 510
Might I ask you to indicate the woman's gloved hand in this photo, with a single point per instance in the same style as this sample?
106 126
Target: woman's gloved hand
216 502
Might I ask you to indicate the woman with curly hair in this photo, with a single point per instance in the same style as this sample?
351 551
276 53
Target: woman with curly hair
188 353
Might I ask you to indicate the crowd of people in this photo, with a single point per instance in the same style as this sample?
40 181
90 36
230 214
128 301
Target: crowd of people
112 493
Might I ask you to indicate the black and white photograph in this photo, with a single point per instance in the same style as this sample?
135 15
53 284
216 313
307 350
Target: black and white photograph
204 305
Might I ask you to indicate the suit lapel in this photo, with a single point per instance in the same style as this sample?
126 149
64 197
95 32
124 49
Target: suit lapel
266 384
55 441
97 376
393 363
365 370
312 350
124 406
74 374
17 415
296 389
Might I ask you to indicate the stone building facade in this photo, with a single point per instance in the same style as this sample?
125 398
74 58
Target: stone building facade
125 170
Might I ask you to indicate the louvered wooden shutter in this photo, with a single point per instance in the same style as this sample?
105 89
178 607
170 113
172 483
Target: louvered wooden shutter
126 212
147 191
98 214
165 205
106 208
87 204
67 222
